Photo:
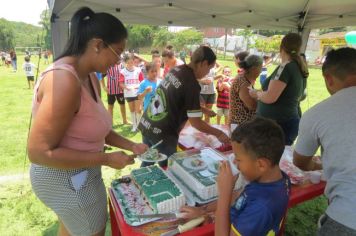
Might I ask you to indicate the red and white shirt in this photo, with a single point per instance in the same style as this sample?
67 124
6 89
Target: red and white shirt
131 80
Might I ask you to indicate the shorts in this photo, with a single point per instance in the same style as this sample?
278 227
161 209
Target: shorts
222 111
131 99
118 97
329 227
207 98
30 78
79 202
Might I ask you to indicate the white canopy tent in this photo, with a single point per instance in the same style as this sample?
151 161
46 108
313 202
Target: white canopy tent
297 15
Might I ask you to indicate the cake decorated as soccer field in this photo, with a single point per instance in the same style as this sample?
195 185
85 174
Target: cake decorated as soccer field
198 173
162 194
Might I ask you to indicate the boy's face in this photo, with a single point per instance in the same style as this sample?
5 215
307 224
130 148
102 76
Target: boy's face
227 71
152 74
249 166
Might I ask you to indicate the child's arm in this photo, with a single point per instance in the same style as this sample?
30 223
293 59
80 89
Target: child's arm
122 81
225 182
194 212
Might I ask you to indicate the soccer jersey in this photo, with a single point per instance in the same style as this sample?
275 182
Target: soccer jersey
144 84
29 68
131 80
177 98
223 100
113 82
260 208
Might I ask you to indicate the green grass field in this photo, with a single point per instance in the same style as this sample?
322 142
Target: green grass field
21 213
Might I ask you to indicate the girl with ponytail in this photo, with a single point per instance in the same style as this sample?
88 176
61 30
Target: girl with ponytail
71 125
283 90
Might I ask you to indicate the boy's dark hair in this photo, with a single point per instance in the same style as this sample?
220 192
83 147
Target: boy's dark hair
27 58
168 53
241 55
340 63
86 25
203 53
154 51
149 66
262 137
155 55
169 47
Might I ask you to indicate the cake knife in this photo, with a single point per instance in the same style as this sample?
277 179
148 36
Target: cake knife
165 215
185 227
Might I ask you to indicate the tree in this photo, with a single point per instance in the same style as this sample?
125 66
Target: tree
6 36
187 37
140 35
162 37
335 29
246 33
269 33
269 45
46 29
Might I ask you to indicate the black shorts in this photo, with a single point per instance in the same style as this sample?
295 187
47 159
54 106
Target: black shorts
30 78
118 97
131 99
207 98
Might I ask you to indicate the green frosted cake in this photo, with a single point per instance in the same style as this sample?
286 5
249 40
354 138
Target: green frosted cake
162 194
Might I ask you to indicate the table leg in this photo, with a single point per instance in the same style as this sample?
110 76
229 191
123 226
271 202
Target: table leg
115 231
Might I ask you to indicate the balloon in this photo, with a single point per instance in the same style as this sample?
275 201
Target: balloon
350 37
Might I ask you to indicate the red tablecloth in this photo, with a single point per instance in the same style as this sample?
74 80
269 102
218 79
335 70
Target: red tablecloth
299 194
190 138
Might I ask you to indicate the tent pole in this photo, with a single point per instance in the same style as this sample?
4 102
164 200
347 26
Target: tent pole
225 43
305 36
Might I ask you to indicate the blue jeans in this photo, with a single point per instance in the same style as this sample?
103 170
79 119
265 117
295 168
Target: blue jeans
14 64
290 129
167 147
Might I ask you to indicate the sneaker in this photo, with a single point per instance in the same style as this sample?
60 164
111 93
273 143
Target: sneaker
134 130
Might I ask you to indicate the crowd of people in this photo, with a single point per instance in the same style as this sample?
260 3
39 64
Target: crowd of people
66 146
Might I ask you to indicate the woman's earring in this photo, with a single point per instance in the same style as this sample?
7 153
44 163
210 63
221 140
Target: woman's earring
96 50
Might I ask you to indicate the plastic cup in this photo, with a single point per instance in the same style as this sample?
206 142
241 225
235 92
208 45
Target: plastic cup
233 167
315 177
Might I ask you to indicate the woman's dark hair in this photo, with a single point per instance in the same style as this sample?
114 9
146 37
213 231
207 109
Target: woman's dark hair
261 137
291 44
86 25
203 53
250 61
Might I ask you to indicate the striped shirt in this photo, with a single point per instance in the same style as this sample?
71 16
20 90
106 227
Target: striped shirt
223 99
113 75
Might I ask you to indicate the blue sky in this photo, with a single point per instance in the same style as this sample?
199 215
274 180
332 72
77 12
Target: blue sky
27 11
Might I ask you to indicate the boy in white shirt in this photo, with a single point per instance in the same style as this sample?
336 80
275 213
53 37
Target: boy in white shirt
29 69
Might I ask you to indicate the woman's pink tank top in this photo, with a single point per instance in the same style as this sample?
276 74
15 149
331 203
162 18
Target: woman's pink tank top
90 125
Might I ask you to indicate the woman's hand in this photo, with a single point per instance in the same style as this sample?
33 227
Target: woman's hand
252 92
189 212
139 148
118 160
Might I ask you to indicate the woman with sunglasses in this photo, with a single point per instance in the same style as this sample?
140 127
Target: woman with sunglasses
71 125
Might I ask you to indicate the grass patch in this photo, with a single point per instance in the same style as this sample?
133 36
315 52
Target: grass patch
21 213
